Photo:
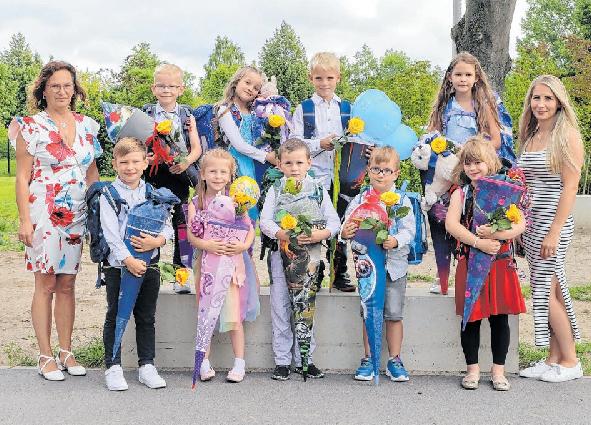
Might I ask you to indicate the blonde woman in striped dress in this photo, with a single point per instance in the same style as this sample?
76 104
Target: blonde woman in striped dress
551 156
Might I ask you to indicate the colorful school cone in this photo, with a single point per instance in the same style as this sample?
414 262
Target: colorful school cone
216 271
490 193
370 260
301 275
149 218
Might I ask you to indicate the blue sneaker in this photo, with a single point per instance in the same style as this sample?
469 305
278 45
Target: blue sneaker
396 370
365 371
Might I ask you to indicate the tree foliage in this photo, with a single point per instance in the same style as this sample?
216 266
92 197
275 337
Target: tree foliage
19 66
284 56
224 60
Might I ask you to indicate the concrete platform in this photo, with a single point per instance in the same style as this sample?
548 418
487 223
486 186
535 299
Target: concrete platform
431 335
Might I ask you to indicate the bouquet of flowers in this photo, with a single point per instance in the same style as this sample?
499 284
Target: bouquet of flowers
271 135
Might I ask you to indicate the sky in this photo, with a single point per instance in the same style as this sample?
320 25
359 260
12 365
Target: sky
101 34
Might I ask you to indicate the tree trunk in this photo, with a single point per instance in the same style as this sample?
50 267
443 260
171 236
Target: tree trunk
484 31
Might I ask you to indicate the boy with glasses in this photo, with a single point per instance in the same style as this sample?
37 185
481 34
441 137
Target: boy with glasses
167 87
383 167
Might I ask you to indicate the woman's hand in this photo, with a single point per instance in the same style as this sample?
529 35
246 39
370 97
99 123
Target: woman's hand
488 246
25 233
550 244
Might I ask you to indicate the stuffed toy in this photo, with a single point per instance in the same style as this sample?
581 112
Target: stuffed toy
438 166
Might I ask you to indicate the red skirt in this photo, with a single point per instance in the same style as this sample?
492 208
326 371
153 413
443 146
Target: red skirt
501 293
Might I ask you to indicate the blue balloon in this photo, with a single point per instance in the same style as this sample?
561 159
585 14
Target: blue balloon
380 115
403 139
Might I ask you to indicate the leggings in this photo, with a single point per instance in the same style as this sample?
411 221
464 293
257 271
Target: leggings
500 336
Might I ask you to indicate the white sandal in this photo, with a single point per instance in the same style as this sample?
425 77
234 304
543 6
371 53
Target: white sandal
55 375
73 370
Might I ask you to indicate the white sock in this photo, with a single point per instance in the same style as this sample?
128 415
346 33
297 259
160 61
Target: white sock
205 366
239 365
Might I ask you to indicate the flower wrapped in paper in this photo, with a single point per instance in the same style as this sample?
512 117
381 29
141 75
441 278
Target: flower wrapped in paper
496 201
228 285
298 209
126 121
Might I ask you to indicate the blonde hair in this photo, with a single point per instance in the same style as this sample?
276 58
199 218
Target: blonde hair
127 145
170 69
558 149
211 155
482 95
230 90
291 145
326 61
383 154
476 148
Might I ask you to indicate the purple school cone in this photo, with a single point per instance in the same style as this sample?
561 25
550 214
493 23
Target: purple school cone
490 193
216 272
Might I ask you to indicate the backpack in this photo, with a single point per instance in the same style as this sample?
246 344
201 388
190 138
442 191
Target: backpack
506 150
419 245
99 248
310 117
207 127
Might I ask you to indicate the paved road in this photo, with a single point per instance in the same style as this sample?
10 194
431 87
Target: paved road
25 398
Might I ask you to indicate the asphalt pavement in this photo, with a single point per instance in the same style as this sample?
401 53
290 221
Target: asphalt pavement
26 398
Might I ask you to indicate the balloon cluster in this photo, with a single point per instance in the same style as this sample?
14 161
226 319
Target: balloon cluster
382 119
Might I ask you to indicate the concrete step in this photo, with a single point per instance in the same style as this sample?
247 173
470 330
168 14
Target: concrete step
431 335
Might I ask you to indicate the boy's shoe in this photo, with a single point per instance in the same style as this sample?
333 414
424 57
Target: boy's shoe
365 371
435 287
396 370
559 373
281 373
150 378
313 371
185 289
342 282
114 378
535 370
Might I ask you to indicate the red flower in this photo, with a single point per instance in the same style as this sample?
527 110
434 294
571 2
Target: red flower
61 217
29 266
37 173
114 116
50 271
89 137
28 120
74 239
58 148
32 198
78 117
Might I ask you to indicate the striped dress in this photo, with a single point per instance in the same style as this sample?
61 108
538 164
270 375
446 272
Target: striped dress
546 189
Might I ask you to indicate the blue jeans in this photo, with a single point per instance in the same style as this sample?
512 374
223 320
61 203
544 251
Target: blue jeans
144 314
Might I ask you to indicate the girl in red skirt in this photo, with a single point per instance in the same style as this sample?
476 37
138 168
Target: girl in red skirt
501 294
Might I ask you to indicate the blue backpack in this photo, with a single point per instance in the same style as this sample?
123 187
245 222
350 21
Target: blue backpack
310 117
419 245
506 150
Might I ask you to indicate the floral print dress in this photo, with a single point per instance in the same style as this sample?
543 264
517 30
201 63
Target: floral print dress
57 200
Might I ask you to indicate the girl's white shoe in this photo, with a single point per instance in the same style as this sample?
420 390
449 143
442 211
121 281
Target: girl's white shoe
73 370
55 375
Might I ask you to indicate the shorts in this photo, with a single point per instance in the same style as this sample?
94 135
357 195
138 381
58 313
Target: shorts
394 300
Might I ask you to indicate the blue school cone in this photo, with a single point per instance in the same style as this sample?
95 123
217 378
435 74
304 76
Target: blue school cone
370 260
148 217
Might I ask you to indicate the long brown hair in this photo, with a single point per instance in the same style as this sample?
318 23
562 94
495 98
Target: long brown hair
212 155
476 148
482 95
558 149
37 102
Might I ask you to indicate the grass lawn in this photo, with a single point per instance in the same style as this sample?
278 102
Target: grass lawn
8 216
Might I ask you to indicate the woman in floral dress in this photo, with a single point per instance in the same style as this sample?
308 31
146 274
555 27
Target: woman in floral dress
55 153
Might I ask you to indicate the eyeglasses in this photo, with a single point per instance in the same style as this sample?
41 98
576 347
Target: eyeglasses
56 88
161 87
384 171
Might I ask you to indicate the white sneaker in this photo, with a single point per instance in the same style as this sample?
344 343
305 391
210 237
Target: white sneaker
559 373
435 288
114 378
150 378
535 370
185 289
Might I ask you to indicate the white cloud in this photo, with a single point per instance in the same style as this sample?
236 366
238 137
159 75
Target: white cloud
98 35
